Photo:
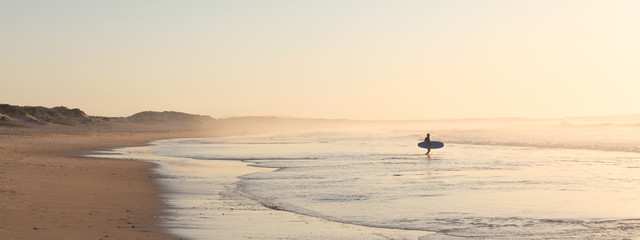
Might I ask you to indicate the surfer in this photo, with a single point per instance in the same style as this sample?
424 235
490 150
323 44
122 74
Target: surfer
428 140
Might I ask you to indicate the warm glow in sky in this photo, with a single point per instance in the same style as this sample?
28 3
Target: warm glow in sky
330 59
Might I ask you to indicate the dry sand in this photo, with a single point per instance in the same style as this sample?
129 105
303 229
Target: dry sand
48 192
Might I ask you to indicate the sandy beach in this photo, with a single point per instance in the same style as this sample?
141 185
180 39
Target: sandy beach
47 191
51 189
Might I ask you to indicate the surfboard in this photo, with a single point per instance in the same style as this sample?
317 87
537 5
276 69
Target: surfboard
434 145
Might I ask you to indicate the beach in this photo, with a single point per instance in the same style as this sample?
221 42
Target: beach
48 191
132 181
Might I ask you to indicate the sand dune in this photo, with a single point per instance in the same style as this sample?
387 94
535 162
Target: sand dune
45 116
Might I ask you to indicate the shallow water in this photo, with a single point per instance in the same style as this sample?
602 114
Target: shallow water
386 181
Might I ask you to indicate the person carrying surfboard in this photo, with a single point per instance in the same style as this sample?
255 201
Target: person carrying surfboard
428 141
428 144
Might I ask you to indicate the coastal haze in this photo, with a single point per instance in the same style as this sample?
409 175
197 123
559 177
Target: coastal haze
299 120
615 132
199 176
360 60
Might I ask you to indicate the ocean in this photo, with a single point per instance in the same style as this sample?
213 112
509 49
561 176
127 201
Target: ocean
384 181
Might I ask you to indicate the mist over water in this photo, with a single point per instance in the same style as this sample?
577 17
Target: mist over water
616 133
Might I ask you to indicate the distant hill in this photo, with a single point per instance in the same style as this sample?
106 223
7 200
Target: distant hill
15 115
31 116
150 117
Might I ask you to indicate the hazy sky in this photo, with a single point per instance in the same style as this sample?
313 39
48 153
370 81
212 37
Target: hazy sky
331 59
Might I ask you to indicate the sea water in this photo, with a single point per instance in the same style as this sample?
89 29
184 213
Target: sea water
461 190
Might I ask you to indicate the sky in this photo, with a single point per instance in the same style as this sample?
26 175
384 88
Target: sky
360 59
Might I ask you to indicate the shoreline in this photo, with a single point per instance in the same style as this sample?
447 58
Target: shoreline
51 189
205 202
48 190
